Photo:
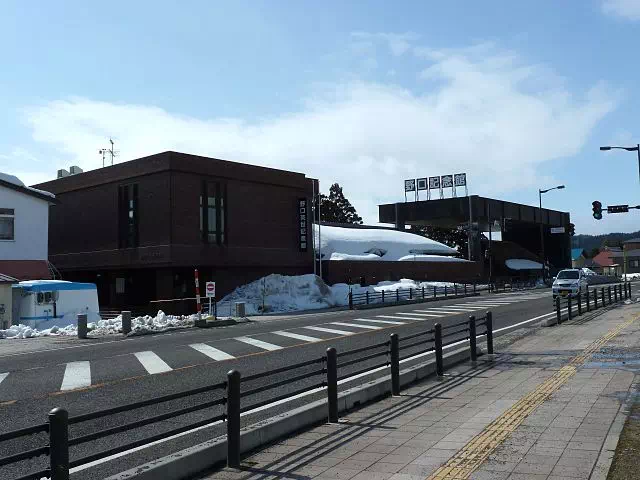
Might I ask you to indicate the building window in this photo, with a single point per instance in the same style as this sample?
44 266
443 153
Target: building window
634 263
213 213
128 215
120 285
7 224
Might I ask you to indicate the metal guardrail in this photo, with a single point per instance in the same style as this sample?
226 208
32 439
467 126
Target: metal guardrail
591 299
409 294
326 367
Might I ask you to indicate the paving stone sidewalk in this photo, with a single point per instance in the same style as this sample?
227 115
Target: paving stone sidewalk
572 434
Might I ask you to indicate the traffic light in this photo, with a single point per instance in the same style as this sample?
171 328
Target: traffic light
617 208
572 229
597 210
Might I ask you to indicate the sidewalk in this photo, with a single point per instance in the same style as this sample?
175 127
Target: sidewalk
549 405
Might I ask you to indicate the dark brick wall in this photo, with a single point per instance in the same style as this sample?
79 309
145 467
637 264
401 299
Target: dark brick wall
374 272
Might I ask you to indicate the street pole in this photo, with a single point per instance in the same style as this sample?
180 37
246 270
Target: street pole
470 236
541 233
638 145
320 228
313 221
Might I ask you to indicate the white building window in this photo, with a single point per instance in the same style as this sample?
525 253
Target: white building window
7 224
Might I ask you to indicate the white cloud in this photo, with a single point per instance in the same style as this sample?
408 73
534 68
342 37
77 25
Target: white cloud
398 43
628 9
490 115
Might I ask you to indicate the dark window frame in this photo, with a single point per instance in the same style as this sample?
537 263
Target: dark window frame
128 208
218 192
10 214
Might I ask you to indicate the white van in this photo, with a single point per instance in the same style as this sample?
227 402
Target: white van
569 282
46 303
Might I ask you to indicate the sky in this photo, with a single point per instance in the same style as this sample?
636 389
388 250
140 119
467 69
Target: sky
519 95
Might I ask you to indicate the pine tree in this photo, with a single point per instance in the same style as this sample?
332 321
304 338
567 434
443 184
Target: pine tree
337 208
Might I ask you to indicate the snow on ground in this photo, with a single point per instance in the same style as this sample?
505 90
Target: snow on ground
631 276
522 264
340 243
588 272
430 258
139 326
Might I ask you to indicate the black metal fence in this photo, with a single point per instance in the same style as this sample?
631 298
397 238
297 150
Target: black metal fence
418 294
237 393
591 299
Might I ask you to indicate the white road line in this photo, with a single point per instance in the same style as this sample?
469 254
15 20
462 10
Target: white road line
465 305
298 336
76 375
433 315
437 310
492 304
330 330
390 322
211 352
3 376
460 309
259 343
152 363
355 325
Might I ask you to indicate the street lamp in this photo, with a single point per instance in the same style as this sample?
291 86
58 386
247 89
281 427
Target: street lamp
628 149
540 192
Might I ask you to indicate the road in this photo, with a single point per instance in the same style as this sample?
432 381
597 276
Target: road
85 376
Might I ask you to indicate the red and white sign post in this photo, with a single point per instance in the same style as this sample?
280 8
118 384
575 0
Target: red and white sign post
210 290
198 305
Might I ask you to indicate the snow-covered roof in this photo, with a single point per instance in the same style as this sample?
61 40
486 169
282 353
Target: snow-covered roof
340 243
523 264
430 258
16 182
53 285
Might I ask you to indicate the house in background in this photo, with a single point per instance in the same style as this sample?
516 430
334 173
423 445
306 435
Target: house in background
629 257
578 257
605 263
24 229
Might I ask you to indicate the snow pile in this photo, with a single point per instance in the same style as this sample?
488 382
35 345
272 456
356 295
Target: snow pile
139 326
522 264
19 183
281 293
430 258
631 276
371 244
588 272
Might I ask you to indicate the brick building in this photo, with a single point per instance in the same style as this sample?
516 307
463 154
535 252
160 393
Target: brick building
138 229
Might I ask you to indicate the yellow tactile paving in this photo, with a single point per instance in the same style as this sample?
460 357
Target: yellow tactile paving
474 453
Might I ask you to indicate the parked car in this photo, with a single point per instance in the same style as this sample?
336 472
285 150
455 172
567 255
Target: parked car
569 282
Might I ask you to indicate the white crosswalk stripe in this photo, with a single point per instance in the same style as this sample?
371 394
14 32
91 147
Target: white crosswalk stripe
390 322
355 325
259 343
437 310
297 336
76 375
3 376
152 363
459 309
211 352
468 306
407 316
330 330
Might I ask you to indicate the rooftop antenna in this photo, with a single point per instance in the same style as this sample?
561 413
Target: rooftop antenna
110 151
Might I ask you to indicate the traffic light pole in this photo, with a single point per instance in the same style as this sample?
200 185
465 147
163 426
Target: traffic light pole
541 233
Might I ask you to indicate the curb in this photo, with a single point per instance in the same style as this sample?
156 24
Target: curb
196 459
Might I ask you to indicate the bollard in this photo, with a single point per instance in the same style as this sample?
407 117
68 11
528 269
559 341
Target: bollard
604 303
569 307
332 384
465 289
588 306
472 339
474 288
615 293
397 294
395 364
410 293
382 296
579 303
367 297
455 289
558 315
126 322
82 325
438 344
595 298
350 300
434 292
59 444
233 419
609 294
489 324
423 293
445 290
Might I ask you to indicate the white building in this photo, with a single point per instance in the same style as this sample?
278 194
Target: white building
24 229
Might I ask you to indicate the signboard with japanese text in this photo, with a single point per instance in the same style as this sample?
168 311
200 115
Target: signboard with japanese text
422 183
303 223
446 181
434 182
410 185
460 179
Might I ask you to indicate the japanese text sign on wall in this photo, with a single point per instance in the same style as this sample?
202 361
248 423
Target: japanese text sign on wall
303 222
422 183
410 185
447 181
434 182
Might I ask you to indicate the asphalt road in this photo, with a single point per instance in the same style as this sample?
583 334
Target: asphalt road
109 372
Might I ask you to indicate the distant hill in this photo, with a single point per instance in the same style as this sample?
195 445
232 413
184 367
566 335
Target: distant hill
589 242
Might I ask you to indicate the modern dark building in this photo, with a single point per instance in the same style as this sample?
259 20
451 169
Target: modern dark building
139 229
518 224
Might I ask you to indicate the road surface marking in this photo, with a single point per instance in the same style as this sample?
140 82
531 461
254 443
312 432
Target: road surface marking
491 302
259 343
330 330
355 325
298 336
466 305
211 352
437 310
390 322
470 457
152 363
484 305
460 309
3 376
433 315
76 375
